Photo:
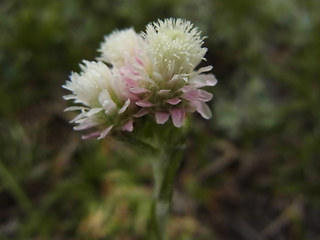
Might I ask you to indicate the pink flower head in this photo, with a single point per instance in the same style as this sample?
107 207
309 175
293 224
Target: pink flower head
152 73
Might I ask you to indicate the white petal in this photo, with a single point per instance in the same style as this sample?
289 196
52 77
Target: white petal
163 92
69 97
205 69
108 105
125 106
203 80
85 125
204 110
105 132
74 108
93 111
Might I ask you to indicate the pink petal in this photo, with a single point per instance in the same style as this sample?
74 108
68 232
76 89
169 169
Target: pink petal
185 89
141 113
173 101
128 126
91 135
177 115
138 90
125 106
139 61
144 103
204 110
192 95
162 117
204 96
105 132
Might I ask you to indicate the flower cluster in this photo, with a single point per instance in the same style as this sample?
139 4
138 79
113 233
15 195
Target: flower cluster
152 73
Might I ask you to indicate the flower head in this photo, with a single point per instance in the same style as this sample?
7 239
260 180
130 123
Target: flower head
119 46
102 96
174 45
152 73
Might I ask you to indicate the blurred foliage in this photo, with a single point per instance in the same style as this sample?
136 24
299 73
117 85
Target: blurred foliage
251 172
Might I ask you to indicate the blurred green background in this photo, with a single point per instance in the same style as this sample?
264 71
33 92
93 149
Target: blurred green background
252 172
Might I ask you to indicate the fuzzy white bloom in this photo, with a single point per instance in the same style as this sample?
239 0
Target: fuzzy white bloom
119 46
87 85
174 45
103 95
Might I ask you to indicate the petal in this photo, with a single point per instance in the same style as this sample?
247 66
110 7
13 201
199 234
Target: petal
87 123
93 111
80 116
104 96
162 117
74 108
141 112
108 105
173 101
138 90
177 115
203 80
105 132
163 92
128 126
70 96
204 110
205 69
91 135
192 95
125 106
144 103
204 96
174 79
185 89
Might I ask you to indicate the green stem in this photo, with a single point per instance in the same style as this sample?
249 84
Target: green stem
11 184
165 167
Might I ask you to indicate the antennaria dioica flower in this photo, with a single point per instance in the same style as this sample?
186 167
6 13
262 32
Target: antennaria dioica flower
148 80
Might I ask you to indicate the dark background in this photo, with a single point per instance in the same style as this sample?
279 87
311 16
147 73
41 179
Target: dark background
252 172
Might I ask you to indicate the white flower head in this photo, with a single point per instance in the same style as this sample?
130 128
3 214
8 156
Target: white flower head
102 94
119 46
174 44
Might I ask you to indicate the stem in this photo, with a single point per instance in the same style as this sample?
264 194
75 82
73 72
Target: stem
165 167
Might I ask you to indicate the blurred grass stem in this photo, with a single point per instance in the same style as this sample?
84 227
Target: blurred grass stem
9 181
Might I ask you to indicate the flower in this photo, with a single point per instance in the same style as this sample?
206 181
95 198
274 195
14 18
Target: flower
103 99
152 73
174 45
119 46
163 77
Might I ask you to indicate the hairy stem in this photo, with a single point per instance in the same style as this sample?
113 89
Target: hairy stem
165 165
